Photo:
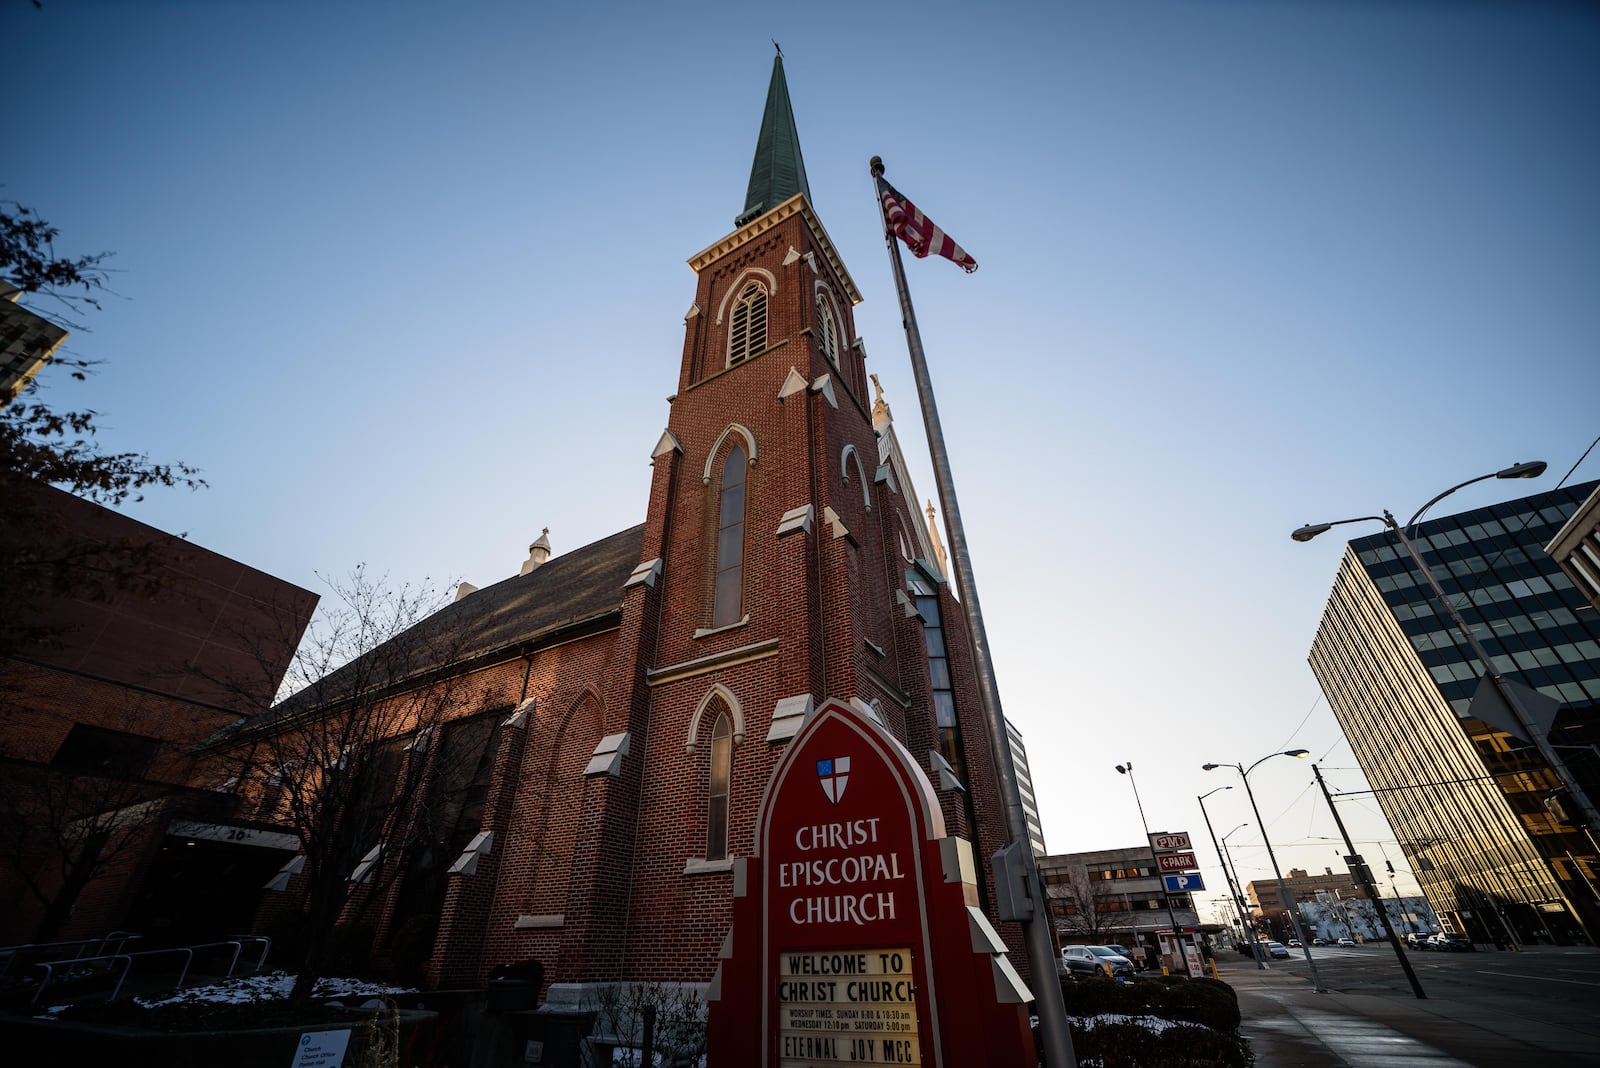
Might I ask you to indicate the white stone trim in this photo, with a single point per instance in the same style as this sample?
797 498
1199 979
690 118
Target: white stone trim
789 715
985 939
666 444
955 858
526 922
607 758
735 710
824 386
364 868
885 474
796 519
941 771
701 866
646 573
519 719
739 284
694 310
831 517
280 881
850 453
482 845
794 382
1009 988
749 440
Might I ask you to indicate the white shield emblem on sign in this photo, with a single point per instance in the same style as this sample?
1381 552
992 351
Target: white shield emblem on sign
833 774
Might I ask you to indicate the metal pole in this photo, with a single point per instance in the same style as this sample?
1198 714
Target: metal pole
1054 1032
1256 949
1155 865
1361 871
1283 891
1232 890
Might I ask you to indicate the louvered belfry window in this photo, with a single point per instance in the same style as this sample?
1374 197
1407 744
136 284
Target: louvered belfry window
747 331
827 329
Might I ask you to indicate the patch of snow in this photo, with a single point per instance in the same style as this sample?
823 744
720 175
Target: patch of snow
1149 1023
271 986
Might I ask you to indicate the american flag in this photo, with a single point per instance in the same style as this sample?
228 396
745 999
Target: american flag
918 231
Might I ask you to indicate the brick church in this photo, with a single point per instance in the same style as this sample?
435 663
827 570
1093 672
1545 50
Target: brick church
629 699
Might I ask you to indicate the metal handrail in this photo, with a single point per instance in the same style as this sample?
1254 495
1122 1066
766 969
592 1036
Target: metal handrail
266 947
10 954
183 973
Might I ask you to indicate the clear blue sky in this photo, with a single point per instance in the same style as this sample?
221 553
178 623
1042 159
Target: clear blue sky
407 281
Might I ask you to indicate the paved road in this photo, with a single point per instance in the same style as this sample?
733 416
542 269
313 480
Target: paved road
1485 1010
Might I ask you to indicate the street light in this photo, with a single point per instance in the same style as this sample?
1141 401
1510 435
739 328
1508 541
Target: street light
1155 865
1228 877
1247 920
1283 891
1519 711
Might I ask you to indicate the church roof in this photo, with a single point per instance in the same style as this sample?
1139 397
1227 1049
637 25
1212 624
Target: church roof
578 587
778 172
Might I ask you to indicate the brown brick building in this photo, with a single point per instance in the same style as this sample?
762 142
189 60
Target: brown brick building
1266 901
115 642
621 706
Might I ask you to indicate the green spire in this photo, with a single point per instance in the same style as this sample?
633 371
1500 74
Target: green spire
778 172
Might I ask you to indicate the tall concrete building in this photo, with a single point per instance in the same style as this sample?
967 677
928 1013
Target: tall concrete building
1479 813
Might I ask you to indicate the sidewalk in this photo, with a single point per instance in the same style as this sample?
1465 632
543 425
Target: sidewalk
1290 1025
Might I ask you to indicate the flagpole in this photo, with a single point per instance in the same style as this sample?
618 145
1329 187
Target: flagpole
1053 1029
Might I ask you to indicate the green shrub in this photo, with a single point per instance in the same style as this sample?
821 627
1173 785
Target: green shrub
1128 1045
1210 1005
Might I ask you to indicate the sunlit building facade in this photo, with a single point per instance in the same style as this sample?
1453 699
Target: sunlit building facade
1471 803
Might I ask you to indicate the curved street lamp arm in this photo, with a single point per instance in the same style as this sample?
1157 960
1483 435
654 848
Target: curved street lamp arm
1481 478
1311 530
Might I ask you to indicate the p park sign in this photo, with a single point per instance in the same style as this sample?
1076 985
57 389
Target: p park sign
856 935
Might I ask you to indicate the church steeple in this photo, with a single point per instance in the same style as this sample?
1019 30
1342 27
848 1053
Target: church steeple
778 172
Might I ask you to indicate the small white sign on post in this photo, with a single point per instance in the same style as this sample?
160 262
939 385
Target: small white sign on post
321 1049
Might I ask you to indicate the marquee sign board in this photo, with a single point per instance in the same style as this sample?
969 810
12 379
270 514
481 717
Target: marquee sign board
1169 862
855 936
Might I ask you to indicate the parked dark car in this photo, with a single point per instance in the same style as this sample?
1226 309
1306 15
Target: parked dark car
1449 943
1278 950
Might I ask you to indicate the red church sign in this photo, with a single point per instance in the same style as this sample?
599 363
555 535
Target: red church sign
854 939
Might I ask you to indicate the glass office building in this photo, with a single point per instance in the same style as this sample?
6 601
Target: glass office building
1480 815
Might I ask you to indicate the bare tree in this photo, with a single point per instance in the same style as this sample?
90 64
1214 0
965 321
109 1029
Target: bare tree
1085 907
349 760
62 828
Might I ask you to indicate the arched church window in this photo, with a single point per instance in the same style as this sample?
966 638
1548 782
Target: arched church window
721 774
728 599
747 329
827 328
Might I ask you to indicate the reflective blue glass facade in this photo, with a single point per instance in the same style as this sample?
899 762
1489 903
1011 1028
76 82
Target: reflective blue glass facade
1468 800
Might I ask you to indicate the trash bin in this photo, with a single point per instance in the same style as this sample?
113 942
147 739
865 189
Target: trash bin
515 987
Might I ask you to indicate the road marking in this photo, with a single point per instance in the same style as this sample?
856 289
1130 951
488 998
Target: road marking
1546 978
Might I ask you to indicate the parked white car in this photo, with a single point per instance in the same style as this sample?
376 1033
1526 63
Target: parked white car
1103 957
